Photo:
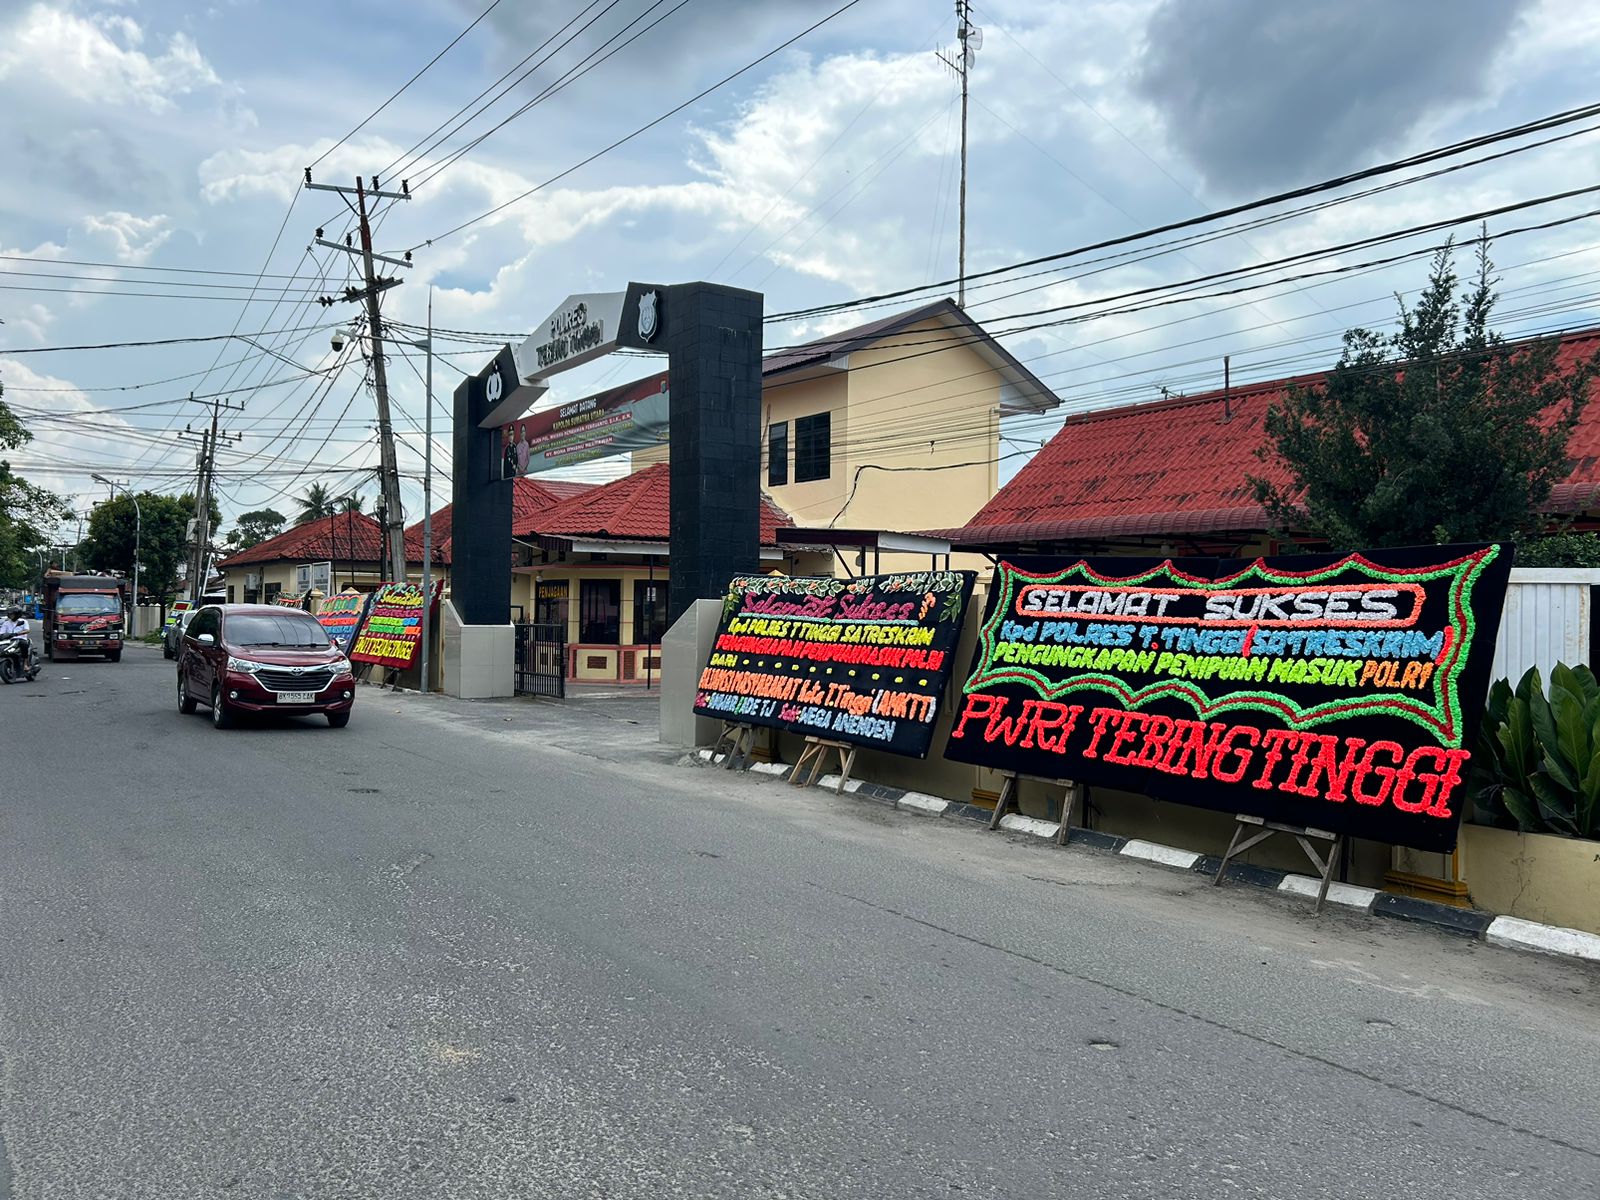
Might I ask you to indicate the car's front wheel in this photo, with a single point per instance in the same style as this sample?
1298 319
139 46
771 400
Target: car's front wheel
339 720
221 718
185 703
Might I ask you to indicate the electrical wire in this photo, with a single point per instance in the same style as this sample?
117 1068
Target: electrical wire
582 68
396 95
672 112
1449 151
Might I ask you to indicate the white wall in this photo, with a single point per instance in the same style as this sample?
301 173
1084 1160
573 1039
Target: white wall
1546 621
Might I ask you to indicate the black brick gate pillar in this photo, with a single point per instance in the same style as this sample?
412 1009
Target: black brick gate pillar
712 336
480 524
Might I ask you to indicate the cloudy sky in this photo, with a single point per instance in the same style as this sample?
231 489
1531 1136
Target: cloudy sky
154 150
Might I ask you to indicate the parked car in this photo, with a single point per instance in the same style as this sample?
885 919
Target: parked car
256 658
172 635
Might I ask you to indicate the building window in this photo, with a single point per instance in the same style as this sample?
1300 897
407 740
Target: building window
812 447
777 454
600 612
550 605
649 610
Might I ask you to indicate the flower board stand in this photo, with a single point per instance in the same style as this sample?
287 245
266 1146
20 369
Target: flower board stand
1265 829
740 742
814 757
1008 801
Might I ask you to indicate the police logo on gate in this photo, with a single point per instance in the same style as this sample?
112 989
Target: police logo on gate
647 315
494 386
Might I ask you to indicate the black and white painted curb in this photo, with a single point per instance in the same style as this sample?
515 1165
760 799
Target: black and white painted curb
1462 922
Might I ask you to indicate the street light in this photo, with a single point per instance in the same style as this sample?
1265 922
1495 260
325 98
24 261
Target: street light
427 496
138 533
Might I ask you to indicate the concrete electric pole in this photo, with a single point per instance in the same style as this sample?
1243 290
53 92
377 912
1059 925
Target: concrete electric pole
394 526
199 566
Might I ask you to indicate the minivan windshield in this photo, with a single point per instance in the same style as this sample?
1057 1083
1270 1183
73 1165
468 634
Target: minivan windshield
269 629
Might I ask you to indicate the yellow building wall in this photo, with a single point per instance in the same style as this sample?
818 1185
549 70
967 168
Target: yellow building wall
915 433
924 433
816 501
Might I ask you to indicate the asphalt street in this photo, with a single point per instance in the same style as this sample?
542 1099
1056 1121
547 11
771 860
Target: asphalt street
518 950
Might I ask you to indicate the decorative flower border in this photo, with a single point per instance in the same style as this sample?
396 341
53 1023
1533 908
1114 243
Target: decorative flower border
1442 719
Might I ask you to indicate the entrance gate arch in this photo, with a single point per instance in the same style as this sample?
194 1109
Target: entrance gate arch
711 337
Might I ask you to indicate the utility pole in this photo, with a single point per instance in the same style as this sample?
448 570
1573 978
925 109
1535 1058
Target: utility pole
971 39
393 515
209 437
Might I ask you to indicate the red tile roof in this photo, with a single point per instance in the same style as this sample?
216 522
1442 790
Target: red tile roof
1180 466
345 537
528 497
637 507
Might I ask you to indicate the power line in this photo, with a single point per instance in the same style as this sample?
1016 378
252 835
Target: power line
574 73
425 67
172 341
672 112
116 266
1455 148
117 293
406 155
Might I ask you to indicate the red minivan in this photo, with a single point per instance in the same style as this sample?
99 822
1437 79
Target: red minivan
256 658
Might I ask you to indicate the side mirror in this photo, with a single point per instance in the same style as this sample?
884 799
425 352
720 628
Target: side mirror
205 639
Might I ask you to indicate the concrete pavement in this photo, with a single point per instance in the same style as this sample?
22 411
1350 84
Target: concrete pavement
495 950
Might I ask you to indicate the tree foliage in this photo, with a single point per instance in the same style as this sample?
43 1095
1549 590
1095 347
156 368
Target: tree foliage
316 503
28 513
253 528
1441 432
162 538
1560 550
159 528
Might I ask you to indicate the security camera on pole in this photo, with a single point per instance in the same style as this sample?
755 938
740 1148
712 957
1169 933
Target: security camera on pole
388 468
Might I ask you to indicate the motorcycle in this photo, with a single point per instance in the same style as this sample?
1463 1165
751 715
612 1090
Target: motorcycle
16 661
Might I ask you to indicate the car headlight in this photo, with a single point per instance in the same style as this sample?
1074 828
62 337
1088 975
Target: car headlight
245 666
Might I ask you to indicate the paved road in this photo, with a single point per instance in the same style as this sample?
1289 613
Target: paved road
506 950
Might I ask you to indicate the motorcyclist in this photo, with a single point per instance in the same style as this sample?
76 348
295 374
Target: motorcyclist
15 625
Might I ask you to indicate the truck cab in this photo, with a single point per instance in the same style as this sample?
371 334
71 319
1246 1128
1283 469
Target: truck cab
84 614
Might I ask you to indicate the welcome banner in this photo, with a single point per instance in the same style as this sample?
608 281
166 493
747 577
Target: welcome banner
341 615
1336 692
863 661
391 634
632 417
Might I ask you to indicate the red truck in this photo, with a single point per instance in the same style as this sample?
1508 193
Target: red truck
84 614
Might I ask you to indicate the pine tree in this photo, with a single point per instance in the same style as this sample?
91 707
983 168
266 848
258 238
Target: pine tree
1441 432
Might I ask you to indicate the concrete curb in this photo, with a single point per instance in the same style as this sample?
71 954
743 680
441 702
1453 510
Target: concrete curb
1167 856
1510 932
1543 939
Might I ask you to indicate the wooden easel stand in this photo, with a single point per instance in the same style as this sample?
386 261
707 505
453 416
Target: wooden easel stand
1008 801
814 758
738 742
1265 829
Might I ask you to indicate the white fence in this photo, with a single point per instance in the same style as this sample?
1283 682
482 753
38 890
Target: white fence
1546 621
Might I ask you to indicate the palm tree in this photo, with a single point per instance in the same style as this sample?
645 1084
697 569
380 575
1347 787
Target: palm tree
317 503
352 503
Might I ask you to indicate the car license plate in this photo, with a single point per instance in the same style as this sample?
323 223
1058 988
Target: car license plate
296 697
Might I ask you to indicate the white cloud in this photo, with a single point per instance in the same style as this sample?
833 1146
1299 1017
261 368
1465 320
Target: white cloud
100 61
131 239
72 435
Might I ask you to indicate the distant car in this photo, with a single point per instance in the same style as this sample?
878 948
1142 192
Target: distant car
172 636
257 658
